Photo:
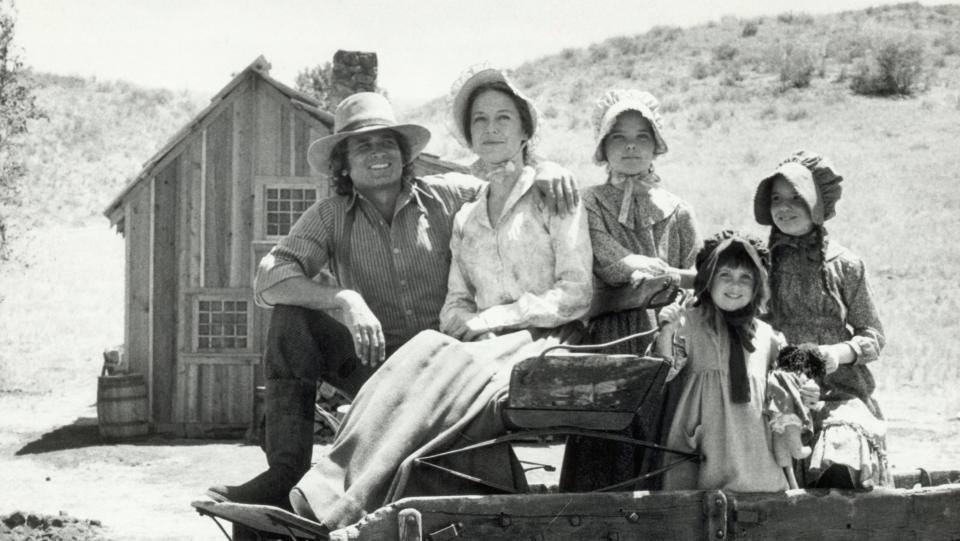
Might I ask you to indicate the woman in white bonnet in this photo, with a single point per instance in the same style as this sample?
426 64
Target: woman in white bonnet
638 230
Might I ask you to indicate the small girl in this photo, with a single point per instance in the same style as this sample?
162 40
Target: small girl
819 294
726 352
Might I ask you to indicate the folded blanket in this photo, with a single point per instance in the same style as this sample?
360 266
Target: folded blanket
432 394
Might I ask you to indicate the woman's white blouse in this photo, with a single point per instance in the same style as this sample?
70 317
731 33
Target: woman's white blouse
532 269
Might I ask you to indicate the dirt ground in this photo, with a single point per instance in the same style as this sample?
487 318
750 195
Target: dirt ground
52 460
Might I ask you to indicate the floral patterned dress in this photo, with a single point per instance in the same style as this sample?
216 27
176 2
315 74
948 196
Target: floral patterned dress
820 295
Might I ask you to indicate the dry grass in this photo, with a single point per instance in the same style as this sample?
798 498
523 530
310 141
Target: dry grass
58 313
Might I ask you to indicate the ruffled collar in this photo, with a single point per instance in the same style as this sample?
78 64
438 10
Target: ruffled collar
807 245
637 202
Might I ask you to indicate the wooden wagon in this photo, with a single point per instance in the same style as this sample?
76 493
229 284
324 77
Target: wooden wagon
923 505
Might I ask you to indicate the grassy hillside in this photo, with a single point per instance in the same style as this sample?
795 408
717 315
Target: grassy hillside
97 135
730 117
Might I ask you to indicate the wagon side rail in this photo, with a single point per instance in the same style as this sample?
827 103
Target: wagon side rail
885 514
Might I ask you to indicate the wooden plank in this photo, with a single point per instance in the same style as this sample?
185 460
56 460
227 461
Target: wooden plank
188 214
286 138
180 403
207 384
268 129
220 431
218 203
563 517
242 395
191 399
885 514
301 143
138 280
164 284
229 359
242 210
241 293
189 227
881 514
203 206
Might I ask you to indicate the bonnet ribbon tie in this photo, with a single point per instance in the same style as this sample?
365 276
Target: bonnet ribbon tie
640 183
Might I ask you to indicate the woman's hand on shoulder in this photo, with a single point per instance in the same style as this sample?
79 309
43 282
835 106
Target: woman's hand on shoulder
557 188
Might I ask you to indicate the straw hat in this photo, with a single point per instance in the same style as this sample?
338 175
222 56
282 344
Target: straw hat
618 101
365 112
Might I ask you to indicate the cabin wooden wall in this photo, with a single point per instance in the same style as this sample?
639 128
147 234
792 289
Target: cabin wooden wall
190 237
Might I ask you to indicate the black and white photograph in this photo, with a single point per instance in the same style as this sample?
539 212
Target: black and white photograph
431 270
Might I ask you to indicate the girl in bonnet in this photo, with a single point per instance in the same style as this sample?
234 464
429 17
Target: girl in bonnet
639 230
725 351
820 296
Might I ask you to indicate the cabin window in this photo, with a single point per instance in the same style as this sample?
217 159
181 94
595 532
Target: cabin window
222 324
284 206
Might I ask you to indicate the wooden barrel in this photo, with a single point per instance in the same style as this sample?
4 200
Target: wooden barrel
122 406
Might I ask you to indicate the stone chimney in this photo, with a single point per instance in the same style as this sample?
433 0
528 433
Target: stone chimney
353 71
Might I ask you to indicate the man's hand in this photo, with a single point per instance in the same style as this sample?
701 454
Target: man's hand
557 188
365 329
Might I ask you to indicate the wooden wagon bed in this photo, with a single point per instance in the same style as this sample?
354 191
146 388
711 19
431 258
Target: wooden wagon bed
927 513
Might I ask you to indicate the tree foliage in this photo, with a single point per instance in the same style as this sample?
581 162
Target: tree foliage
318 82
17 107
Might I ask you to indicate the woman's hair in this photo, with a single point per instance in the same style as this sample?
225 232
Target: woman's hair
526 121
339 164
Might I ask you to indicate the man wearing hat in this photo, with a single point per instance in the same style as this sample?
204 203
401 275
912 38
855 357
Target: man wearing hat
385 237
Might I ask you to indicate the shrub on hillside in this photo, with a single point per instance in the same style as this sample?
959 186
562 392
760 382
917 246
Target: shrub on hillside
700 70
578 92
665 33
795 18
894 67
798 63
725 52
731 76
749 30
569 54
598 53
624 45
